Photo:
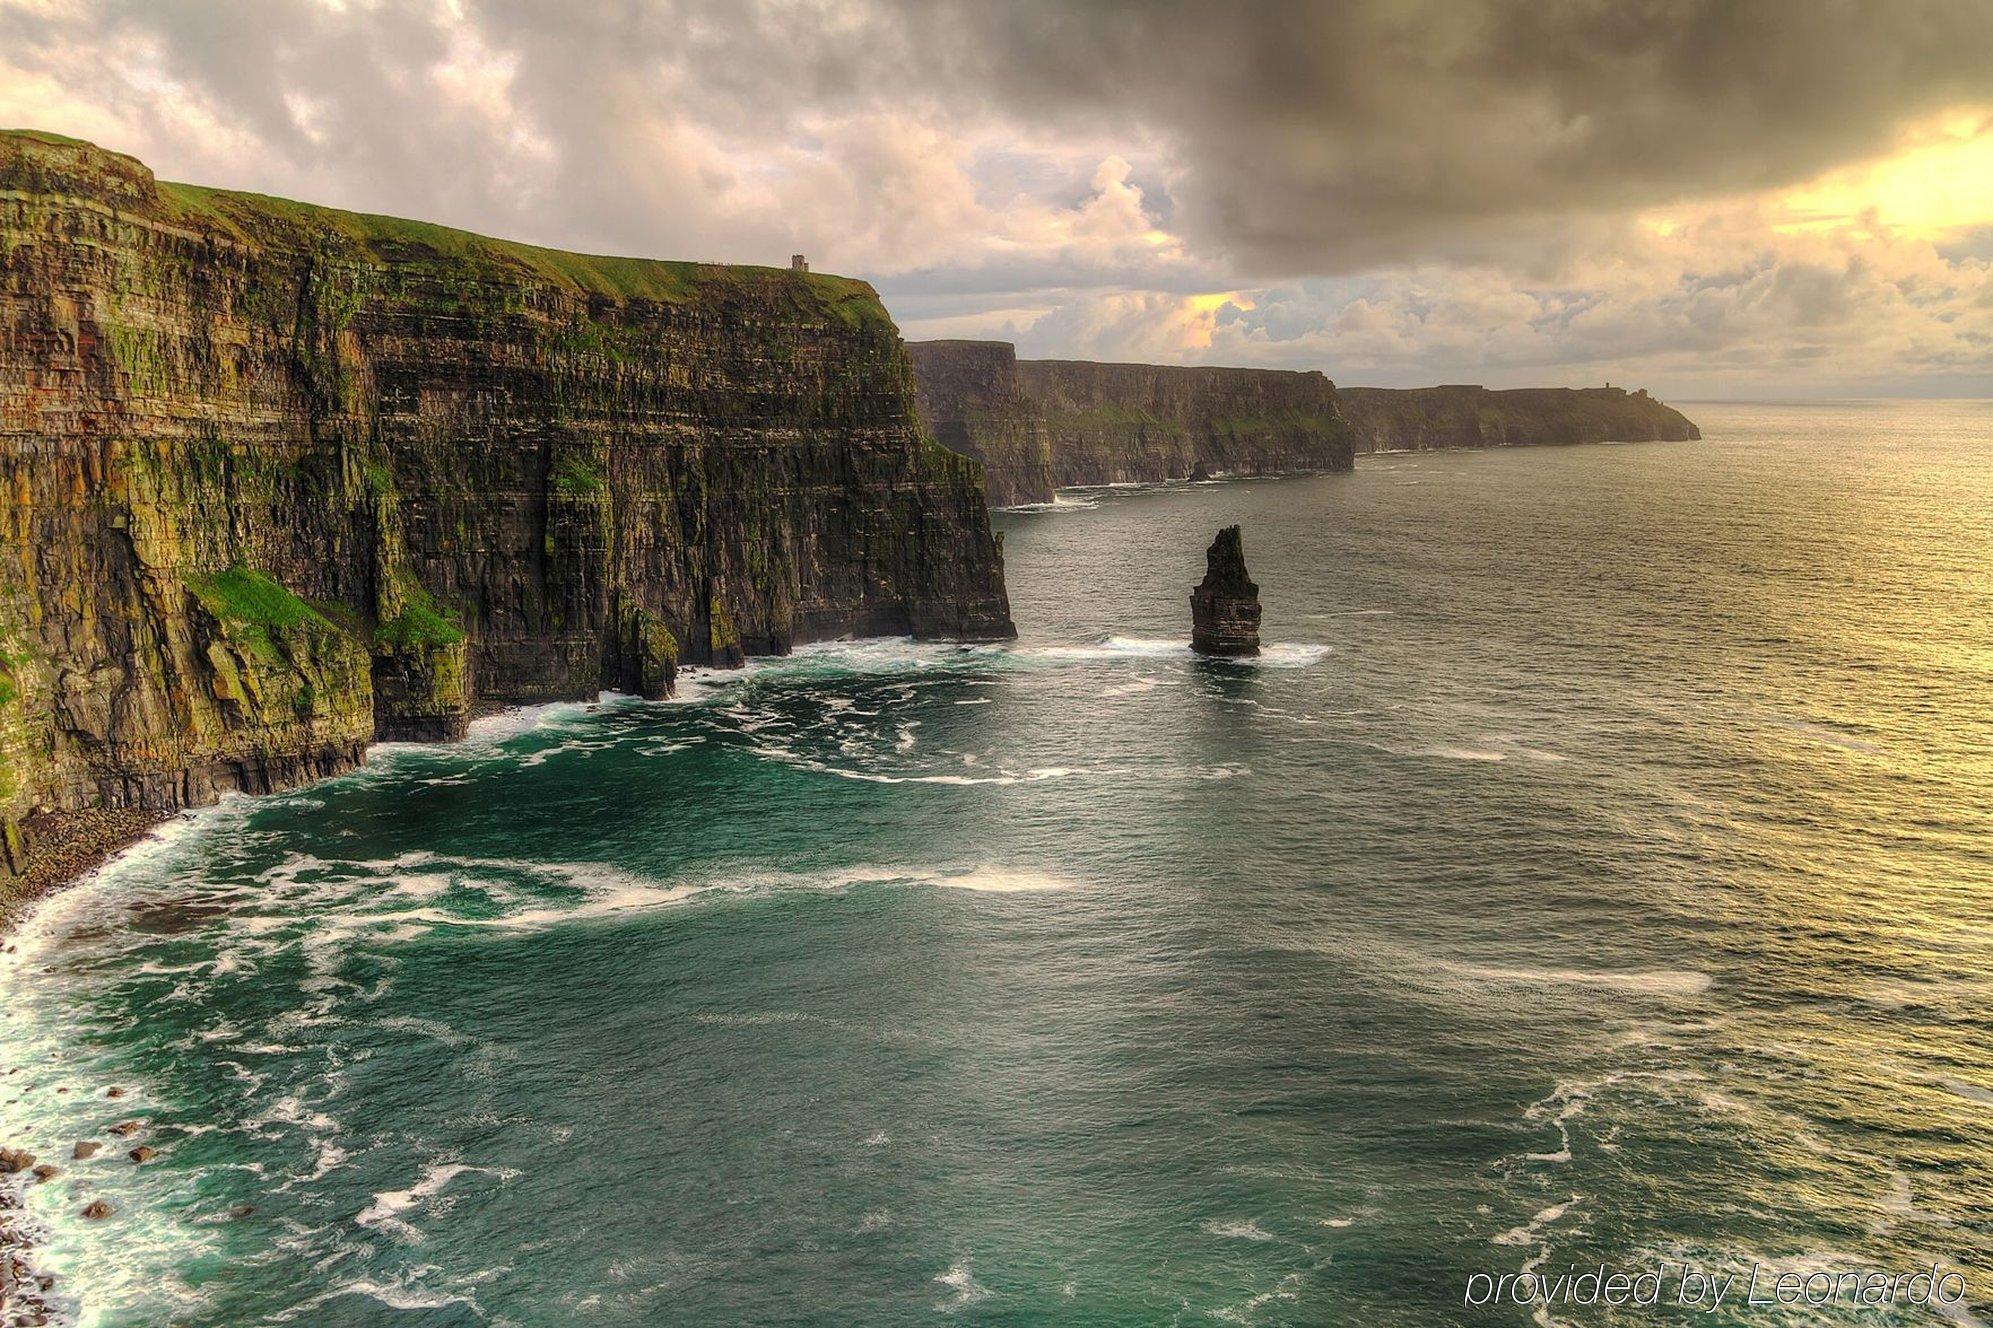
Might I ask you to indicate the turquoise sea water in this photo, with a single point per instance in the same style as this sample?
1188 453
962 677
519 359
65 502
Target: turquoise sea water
1599 870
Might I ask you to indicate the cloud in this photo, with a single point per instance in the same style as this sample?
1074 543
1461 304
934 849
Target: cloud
1723 302
1431 188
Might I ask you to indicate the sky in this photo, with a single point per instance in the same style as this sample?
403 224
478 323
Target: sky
1736 199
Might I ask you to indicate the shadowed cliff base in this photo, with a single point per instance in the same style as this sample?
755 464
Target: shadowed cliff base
1042 425
278 481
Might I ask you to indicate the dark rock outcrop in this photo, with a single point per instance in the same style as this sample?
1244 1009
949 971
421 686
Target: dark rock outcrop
972 401
277 481
1415 419
1224 609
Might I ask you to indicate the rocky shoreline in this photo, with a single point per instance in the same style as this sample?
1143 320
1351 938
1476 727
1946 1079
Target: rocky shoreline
26 1292
68 848
65 847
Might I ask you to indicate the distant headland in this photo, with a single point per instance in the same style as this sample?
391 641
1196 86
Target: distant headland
1042 425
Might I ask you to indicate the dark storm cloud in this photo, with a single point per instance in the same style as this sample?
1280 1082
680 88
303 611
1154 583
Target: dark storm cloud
1320 136
1291 137
1396 190
1310 136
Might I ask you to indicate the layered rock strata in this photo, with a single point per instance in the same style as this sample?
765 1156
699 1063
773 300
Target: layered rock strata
277 481
1224 609
1040 425
1121 423
972 400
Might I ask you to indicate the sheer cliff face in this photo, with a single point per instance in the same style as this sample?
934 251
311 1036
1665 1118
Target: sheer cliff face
1113 423
1389 420
275 480
973 402
1038 425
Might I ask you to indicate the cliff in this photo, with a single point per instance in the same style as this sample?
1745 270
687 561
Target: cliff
1390 420
1111 423
972 400
1038 425
277 481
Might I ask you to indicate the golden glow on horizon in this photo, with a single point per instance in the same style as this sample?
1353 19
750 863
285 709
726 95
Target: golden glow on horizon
1941 181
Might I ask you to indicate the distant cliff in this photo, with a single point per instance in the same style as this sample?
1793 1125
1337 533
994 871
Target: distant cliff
1040 425
972 399
1044 424
1112 423
278 480
1391 420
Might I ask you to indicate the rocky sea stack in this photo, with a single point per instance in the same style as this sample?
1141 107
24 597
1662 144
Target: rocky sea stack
1224 609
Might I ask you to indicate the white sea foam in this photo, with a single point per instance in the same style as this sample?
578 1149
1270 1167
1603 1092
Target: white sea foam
1235 1229
400 1294
1061 502
384 1214
1565 1103
1277 654
963 1283
378 904
987 880
1531 1231
1142 683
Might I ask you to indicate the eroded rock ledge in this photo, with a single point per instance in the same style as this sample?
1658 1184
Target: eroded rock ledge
277 481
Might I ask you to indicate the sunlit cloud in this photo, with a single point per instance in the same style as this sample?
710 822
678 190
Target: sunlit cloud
1940 182
1708 197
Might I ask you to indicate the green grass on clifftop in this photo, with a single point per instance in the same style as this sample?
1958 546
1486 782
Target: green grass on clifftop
262 219
39 161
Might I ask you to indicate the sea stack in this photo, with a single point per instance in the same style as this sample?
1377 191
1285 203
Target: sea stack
1224 609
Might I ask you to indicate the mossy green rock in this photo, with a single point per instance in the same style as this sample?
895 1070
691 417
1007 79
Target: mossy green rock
278 480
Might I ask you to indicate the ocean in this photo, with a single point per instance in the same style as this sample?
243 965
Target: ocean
1595 873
